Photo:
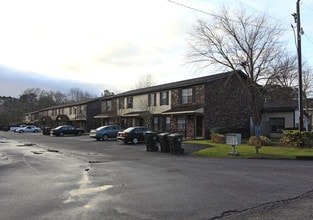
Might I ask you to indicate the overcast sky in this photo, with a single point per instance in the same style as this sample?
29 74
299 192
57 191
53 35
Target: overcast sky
109 44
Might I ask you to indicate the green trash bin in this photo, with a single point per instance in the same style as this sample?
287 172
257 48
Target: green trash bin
46 131
175 143
164 143
151 139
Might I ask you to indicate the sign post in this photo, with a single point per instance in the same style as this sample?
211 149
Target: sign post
233 139
258 143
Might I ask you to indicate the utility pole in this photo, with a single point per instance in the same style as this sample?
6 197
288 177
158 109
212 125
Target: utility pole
299 32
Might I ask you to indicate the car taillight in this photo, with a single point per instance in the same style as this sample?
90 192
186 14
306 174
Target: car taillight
124 134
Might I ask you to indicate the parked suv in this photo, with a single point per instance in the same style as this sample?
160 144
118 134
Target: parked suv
133 135
105 132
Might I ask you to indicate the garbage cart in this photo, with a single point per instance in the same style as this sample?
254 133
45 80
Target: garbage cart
164 143
151 139
175 141
46 131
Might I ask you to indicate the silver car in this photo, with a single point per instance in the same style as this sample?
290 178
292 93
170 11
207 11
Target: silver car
30 128
105 132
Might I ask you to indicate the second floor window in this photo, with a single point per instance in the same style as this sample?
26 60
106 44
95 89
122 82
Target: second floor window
121 103
108 105
130 102
152 99
164 98
186 95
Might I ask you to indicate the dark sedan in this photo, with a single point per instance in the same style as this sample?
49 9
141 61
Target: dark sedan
66 130
133 135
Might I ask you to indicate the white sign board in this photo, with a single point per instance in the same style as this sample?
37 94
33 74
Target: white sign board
233 139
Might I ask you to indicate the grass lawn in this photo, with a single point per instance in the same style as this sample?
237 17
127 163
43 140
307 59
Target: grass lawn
247 151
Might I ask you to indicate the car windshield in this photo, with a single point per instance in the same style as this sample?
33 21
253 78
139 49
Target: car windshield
59 127
100 128
129 129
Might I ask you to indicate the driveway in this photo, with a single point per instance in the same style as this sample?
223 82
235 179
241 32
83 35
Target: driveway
45 177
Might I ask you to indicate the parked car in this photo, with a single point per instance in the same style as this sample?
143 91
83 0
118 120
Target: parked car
30 128
13 128
133 135
65 130
105 132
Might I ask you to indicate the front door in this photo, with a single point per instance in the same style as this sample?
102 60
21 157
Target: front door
199 126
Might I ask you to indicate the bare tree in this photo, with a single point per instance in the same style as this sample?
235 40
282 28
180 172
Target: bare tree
285 72
58 97
238 40
76 95
307 77
144 81
107 93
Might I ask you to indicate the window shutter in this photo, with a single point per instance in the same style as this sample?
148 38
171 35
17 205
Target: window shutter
180 96
193 95
149 99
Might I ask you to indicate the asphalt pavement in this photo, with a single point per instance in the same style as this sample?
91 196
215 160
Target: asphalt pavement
45 177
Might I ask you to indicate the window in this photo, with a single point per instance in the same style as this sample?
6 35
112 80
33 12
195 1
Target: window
181 122
152 99
121 103
186 95
277 125
108 105
164 98
130 102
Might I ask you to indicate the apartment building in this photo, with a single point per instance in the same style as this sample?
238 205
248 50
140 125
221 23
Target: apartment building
79 114
191 107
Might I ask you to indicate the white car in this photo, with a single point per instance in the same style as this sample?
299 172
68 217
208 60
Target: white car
31 128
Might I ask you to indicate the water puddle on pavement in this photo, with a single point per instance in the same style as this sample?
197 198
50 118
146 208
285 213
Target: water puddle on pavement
84 188
4 159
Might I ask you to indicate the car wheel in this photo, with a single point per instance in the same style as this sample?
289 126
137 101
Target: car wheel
61 134
135 141
35 131
105 137
21 131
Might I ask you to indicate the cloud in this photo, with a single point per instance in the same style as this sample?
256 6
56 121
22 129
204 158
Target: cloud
13 83
104 42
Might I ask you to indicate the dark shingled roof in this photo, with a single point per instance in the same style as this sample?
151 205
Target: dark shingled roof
178 84
279 106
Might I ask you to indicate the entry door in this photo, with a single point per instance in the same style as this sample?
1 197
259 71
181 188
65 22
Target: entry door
199 126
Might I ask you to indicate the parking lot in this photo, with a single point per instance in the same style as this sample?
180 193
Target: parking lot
76 177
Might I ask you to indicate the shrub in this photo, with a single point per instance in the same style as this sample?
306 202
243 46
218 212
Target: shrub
307 138
293 137
218 138
264 141
297 139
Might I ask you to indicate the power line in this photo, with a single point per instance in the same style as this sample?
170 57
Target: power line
192 8
310 39
309 7
217 16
